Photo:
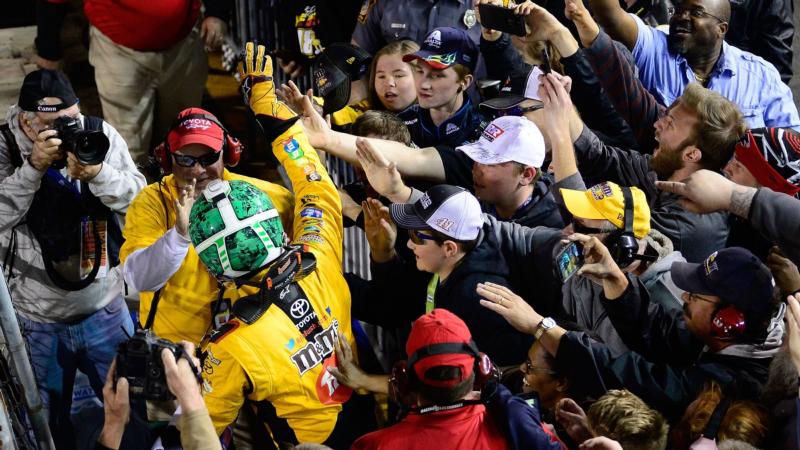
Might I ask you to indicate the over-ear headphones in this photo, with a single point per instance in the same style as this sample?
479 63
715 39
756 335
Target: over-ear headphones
728 323
231 147
622 243
404 379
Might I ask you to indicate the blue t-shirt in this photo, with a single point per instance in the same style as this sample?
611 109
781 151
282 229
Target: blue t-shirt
747 80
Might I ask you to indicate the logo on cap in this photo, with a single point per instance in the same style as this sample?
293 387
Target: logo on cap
492 132
196 123
710 263
447 59
601 191
444 223
435 39
350 60
425 201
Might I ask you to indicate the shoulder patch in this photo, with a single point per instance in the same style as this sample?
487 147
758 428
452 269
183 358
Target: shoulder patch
226 329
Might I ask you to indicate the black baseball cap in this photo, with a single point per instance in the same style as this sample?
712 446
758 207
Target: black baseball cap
734 275
334 69
446 46
46 83
521 85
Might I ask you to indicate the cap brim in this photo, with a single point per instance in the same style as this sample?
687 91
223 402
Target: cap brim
580 206
479 154
503 102
685 276
422 56
196 138
336 99
406 217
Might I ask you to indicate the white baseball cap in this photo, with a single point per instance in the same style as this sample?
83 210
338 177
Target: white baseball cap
508 138
450 210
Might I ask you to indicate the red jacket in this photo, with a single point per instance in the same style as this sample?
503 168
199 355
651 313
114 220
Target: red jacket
467 428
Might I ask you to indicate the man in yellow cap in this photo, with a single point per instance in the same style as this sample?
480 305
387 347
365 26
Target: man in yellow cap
619 217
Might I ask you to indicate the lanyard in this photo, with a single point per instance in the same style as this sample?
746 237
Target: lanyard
430 302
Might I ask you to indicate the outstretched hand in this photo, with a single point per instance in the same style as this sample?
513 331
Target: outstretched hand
511 306
183 207
573 418
381 173
347 371
793 328
554 92
703 191
380 230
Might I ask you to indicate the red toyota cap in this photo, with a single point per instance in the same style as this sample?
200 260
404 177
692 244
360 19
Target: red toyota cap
195 126
440 326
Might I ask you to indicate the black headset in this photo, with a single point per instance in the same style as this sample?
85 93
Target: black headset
622 243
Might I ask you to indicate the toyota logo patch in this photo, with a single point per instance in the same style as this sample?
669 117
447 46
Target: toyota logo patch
299 308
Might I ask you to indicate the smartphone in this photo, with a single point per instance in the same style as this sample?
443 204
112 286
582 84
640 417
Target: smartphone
545 65
498 18
569 260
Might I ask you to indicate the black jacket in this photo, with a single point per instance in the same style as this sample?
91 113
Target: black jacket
695 236
668 381
766 28
540 211
507 254
463 127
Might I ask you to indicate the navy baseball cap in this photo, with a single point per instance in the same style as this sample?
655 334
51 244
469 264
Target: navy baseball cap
46 83
446 46
733 274
334 70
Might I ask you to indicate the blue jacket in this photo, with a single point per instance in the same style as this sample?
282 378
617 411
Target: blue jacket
461 128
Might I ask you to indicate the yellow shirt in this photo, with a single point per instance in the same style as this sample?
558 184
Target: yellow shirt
189 296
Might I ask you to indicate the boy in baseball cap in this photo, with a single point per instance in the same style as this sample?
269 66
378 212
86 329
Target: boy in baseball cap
445 235
443 70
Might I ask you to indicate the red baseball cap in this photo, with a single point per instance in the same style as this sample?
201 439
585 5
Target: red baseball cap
440 326
195 126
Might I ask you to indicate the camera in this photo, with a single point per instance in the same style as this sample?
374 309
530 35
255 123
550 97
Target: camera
89 146
568 260
139 360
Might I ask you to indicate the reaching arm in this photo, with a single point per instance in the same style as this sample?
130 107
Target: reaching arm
618 23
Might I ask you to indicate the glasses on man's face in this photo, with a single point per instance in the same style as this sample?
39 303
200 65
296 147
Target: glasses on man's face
694 297
419 238
189 161
695 13
529 368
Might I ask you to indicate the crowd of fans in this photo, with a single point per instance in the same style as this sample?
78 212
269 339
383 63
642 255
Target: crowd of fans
585 236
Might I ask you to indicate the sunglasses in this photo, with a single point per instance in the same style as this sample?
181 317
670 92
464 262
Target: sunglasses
189 161
419 238
529 368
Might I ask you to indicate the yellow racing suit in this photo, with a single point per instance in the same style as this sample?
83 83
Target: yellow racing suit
276 364
189 296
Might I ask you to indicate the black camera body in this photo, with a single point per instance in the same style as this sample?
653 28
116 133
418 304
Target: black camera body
89 146
139 360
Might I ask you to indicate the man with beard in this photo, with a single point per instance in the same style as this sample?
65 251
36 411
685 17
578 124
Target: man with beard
698 131
695 51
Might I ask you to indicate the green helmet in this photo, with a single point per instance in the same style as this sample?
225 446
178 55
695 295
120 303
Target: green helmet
235 228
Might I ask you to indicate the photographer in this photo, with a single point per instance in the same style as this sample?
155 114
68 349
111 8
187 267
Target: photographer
197 432
61 236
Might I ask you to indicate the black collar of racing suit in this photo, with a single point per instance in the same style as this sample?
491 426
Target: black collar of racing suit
292 266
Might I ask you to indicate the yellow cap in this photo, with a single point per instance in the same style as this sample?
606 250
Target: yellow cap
606 201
